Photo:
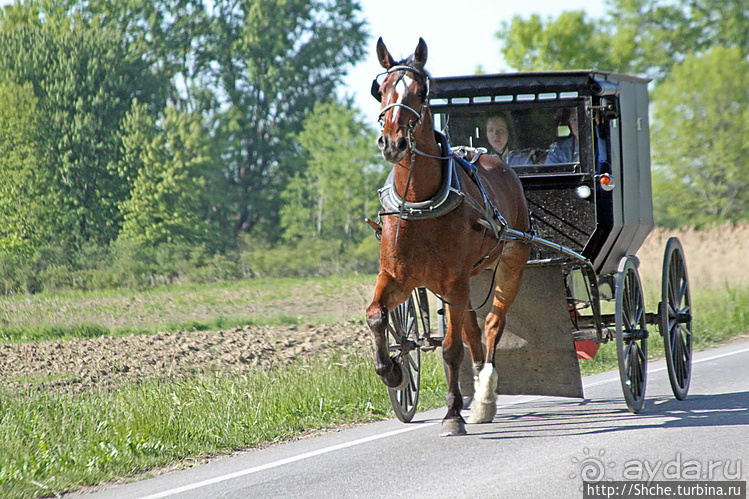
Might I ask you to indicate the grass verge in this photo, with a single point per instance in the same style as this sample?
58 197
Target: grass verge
54 443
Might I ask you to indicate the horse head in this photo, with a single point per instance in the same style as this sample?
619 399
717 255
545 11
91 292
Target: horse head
404 95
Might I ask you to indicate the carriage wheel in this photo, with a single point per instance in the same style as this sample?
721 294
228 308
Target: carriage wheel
402 333
631 334
676 318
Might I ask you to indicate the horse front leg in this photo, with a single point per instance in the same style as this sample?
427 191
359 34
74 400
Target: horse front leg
452 353
388 294
508 279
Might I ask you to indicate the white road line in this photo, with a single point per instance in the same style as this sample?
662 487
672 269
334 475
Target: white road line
354 443
288 460
651 371
720 356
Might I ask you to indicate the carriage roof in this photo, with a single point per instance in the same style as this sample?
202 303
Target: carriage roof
585 82
624 98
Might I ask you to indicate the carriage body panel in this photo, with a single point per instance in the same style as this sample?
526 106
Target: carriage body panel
538 345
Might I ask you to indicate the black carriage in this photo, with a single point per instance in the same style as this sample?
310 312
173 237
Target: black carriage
591 211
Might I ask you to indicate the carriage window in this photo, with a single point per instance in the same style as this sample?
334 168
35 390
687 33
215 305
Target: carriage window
534 138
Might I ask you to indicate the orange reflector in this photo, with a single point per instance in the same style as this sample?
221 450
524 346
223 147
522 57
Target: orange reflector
606 181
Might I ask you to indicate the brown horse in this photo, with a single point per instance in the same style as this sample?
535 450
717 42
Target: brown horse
443 253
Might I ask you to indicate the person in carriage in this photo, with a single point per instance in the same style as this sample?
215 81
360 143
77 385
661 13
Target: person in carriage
500 133
565 148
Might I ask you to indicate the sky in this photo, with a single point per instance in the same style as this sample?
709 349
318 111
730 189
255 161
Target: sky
459 35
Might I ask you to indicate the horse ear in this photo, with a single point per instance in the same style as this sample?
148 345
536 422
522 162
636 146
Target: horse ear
383 55
420 54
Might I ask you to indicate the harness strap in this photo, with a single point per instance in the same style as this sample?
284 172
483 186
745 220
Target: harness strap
492 218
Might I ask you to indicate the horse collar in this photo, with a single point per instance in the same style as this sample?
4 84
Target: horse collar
448 197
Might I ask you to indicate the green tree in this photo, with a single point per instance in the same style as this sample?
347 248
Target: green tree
636 36
329 199
22 197
252 67
84 82
18 15
172 36
167 200
275 60
571 41
664 32
700 146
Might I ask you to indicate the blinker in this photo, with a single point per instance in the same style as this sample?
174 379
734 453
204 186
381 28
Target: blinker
375 91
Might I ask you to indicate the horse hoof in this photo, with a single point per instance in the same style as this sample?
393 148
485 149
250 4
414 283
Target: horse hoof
483 412
395 378
453 428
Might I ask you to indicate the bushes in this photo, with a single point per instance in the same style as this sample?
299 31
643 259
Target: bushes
308 257
128 264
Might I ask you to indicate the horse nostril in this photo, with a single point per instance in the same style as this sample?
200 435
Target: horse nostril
401 144
381 142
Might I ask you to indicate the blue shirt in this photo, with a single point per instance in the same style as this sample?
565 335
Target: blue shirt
563 150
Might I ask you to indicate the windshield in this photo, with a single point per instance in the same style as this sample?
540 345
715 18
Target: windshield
533 139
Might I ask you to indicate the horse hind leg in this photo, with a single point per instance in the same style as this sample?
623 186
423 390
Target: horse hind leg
508 280
484 406
484 379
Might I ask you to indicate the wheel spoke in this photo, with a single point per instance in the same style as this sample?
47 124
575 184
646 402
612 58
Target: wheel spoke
642 366
630 359
639 314
410 326
679 361
685 356
673 279
412 363
634 371
683 289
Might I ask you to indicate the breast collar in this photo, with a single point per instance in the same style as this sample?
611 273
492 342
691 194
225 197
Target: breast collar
448 197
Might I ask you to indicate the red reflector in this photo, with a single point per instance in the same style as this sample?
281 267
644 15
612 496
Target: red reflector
587 349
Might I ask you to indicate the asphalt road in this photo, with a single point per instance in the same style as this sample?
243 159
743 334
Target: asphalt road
535 447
